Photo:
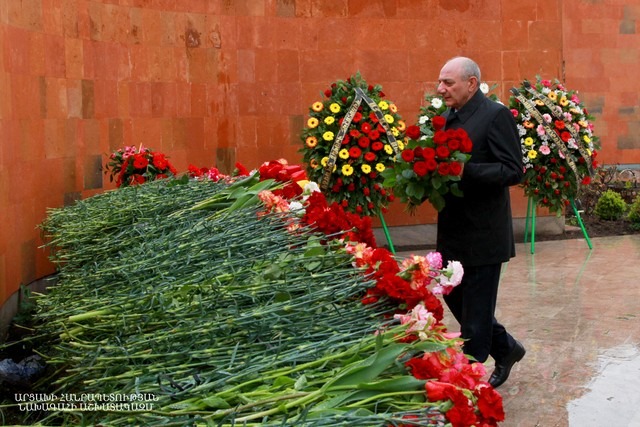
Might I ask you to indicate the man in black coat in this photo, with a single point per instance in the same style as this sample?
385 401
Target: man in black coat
476 229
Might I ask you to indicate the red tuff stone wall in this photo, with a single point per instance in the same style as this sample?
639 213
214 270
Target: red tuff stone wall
212 82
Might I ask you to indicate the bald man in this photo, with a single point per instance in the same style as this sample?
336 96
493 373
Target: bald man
477 229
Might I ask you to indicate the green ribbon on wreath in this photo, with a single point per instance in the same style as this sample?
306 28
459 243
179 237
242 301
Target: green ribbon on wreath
346 122
533 111
558 115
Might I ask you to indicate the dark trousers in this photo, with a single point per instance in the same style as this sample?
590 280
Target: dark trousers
473 304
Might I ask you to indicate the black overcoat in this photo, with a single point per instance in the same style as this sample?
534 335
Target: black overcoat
477 229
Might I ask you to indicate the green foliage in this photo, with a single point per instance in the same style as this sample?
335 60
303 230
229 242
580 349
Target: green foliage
610 206
634 212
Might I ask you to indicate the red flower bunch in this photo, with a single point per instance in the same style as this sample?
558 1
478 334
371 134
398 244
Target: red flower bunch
333 220
134 166
450 372
281 171
430 165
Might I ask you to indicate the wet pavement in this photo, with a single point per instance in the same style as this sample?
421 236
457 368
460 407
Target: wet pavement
577 312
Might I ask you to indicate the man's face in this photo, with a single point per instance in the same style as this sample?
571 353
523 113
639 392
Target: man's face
455 90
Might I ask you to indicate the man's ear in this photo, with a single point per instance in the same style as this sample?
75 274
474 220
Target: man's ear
473 84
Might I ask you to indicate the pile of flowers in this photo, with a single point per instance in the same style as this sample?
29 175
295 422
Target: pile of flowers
346 151
454 386
558 145
431 163
133 166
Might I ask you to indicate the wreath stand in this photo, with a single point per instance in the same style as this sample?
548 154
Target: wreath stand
531 220
386 233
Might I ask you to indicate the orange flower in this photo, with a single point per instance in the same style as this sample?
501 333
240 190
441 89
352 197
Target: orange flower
311 141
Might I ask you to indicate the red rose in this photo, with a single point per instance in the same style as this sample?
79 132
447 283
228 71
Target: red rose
455 168
413 132
428 153
442 152
453 144
327 93
417 152
420 168
431 164
443 169
466 145
440 137
438 122
355 152
407 155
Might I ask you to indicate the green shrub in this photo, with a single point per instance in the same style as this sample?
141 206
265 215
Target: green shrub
610 206
634 212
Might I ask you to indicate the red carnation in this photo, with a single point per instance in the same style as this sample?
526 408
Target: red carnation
559 124
354 133
374 134
369 156
365 127
377 146
566 136
413 132
357 117
140 161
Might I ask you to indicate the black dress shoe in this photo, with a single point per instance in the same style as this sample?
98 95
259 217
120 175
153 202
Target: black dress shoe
503 368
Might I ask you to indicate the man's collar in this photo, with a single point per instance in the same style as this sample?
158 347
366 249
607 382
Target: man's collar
470 106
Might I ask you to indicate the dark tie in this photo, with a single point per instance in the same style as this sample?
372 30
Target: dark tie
453 115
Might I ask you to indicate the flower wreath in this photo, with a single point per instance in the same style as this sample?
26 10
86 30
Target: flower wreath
558 145
430 166
350 138
134 166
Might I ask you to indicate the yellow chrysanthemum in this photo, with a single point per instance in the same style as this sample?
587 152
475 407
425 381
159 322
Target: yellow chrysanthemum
564 101
539 103
343 154
586 139
528 141
401 125
380 167
388 118
334 107
388 149
401 145
395 131
312 123
582 123
553 95
329 120
317 106
528 124
347 170
393 108
532 154
328 136
311 141
366 168
384 105
324 162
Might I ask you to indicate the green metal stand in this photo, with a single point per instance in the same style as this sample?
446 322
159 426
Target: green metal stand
386 233
530 221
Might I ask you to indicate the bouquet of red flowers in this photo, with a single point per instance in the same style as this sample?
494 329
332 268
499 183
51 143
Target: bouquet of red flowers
134 166
430 165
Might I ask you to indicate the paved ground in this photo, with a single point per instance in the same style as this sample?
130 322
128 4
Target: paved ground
577 312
